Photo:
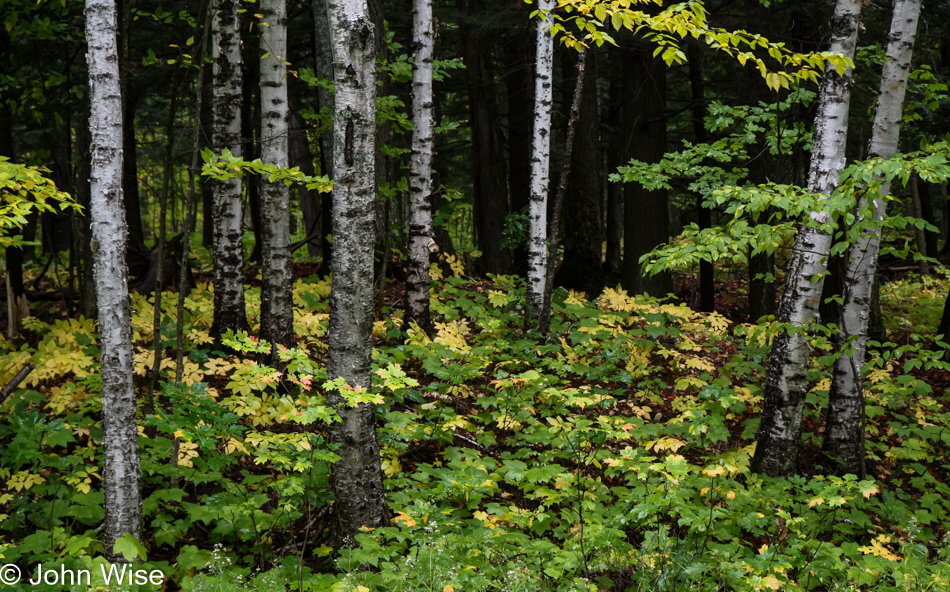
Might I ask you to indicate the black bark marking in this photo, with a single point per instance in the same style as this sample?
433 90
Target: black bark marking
348 143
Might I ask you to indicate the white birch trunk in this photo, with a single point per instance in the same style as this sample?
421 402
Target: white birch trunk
120 475
357 476
540 166
779 433
277 317
844 427
228 247
420 165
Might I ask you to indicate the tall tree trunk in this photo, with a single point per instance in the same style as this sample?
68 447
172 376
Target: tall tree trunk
707 282
540 165
779 435
844 425
120 475
646 213
931 238
554 226
519 86
420 165
160 272
251 134
490 199
277 315
138 254
357 476
88 306
582 267
202 97
323 63
17 304
301 156
229 310
206 117
922 266
611 125
761 292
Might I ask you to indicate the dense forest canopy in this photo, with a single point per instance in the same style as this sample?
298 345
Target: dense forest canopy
354 295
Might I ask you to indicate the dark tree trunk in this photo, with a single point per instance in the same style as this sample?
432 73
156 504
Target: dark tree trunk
88 304
761 292
250 134
490 199
207 194
943 330
14 255
829 309
582 268
927 213
707 282
646 213
138 254
323 66
57 226
301 156
519 83
612 128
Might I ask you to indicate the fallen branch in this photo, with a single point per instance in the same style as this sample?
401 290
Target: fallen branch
16 380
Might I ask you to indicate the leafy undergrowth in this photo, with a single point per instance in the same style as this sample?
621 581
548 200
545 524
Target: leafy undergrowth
612 456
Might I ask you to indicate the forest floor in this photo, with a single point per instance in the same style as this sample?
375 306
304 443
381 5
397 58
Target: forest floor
613 455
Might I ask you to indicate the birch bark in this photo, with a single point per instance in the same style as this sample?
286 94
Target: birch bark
277 317
120 475
227 98
779 433
420 165
844 425
540 166
357 476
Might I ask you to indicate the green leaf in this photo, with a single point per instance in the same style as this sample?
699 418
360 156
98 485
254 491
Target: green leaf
130 548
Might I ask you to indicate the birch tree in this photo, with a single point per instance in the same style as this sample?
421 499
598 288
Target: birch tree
358 475
780 430
420 166
277 318
120 475
228 247
540 165
844 426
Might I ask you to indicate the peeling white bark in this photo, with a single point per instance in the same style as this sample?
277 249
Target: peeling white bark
420 165
357 476
229 310
540 165
844 431
120 475
277 318
779 433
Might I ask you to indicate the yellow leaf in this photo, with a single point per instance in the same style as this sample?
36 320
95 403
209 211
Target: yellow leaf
772 582
816 502
405 519
448 588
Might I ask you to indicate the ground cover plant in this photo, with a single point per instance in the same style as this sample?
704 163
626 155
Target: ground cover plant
612 455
